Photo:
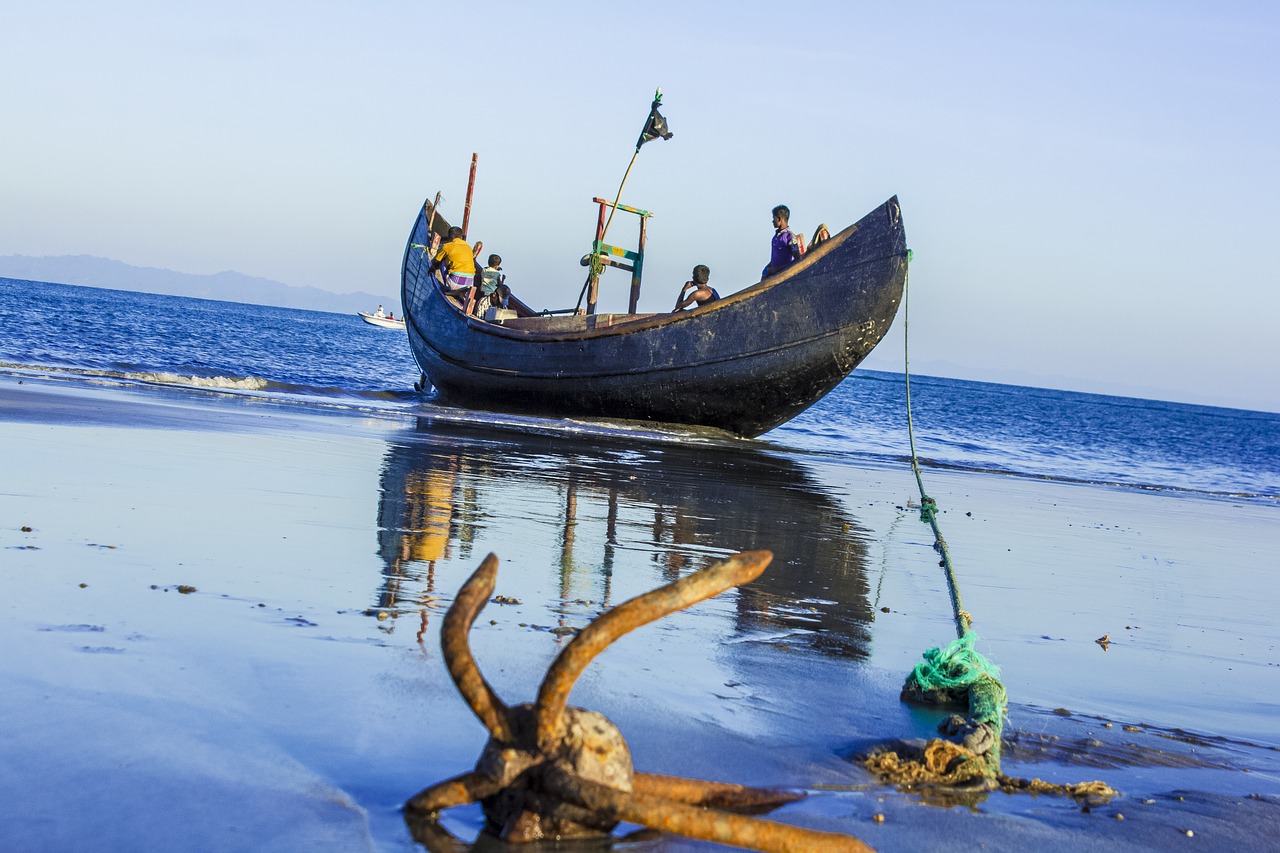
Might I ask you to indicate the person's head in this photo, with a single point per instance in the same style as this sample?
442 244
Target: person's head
495 261
455 233
781 215
701 274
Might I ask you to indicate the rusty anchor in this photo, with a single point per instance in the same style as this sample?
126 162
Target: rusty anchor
554 772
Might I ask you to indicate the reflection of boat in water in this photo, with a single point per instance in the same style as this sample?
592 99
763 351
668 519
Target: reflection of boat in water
415 514
744 363
593 514
382 322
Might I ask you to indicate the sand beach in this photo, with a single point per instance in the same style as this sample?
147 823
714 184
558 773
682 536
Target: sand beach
221 628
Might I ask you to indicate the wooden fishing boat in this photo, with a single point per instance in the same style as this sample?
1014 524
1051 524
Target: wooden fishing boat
745 363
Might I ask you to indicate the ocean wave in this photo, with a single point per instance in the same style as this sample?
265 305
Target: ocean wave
149 377
401 402
217 382
230 383
880 459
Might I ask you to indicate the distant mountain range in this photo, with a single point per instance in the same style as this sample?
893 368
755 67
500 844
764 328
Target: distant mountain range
90 271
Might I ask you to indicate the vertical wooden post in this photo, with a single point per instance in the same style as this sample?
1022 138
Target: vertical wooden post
466 223
593 281
431 218
636 269
471 185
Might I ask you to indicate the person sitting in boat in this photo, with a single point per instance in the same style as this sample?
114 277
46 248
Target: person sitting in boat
697 290
490 278
456 262
379 313
787 246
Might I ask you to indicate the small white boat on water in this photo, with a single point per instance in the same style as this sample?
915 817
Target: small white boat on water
382 322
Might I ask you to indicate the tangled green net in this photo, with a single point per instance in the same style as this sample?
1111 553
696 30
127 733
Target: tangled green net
960 677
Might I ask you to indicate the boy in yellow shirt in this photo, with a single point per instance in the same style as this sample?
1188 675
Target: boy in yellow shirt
457 261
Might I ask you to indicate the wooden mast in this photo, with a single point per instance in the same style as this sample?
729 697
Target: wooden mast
471 186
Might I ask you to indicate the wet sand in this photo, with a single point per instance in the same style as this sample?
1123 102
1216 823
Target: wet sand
297 696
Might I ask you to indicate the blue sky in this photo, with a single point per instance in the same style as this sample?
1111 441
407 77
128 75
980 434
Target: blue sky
1090 189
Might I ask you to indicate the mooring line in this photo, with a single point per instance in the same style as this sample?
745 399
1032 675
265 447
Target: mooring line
928 507
958 674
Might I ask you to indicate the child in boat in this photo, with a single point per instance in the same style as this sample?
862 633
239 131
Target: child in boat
491 278
696 290
787 247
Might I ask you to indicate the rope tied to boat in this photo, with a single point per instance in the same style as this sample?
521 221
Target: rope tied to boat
958 676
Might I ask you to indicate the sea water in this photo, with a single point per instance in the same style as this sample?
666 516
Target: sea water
299 673
85 334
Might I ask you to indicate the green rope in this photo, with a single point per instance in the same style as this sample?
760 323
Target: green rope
928 506
957 674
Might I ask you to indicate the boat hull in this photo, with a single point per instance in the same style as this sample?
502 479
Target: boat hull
744 364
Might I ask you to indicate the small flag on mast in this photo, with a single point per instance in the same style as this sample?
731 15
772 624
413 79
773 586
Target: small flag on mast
656 126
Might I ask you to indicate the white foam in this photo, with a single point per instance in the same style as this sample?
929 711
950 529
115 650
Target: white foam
247 383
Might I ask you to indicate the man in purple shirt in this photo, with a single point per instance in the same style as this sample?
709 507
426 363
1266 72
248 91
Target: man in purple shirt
787 247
